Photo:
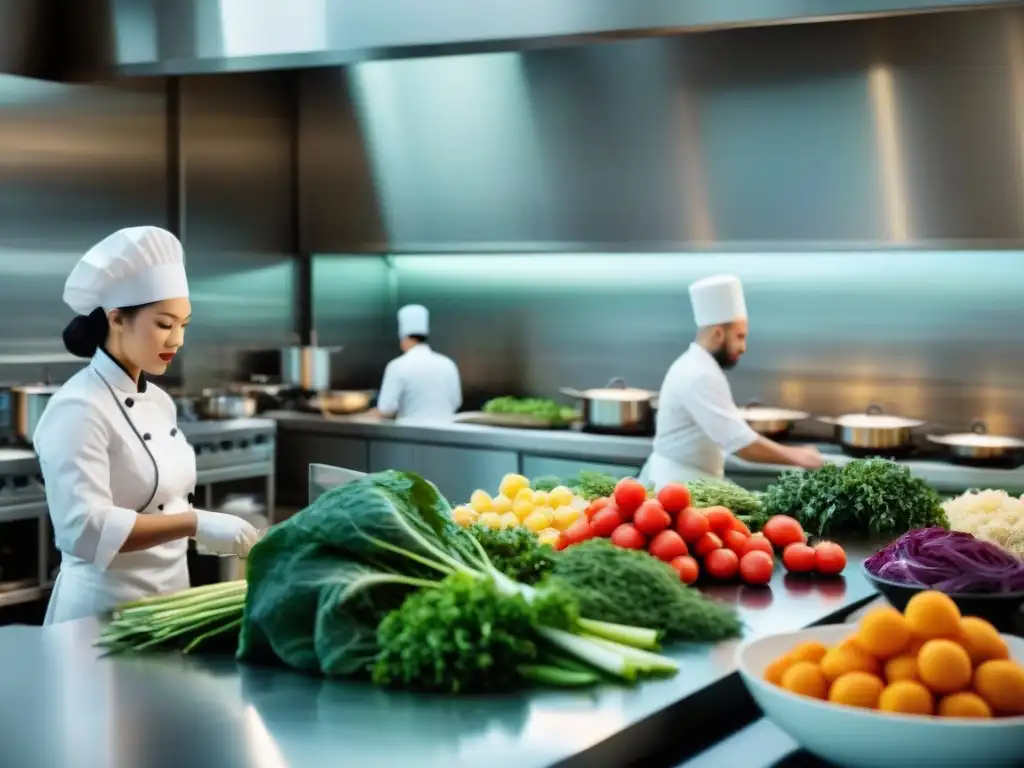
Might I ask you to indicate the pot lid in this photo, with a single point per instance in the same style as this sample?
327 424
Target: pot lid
873 421
623 394
761 413
978 437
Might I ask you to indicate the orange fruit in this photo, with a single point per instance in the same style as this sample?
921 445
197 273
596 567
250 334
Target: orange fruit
907 697
1000 683
883 633
913 646
857 689
963 704
932 615
774 671
843 659
805 678
944 666
808 651
981 640
901 668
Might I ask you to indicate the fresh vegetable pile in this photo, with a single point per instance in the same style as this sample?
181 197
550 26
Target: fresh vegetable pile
867 496
587 484
993 516
950 562
545 513
722 493
538 408
929 660
712 541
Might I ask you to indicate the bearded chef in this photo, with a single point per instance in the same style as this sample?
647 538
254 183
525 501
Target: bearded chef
698 423
119 474
421 385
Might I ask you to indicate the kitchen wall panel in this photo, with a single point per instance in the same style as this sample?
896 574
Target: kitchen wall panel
76 163
237 154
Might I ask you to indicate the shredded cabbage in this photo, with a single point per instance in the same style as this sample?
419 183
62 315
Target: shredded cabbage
993 516
951 562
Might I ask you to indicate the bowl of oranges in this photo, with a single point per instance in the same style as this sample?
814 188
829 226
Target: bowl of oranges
925 686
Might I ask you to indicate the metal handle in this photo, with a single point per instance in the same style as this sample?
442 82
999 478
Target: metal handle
616 382
573 393
874 410
754 404
979 427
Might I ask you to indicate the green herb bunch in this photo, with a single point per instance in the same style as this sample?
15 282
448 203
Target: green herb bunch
515 552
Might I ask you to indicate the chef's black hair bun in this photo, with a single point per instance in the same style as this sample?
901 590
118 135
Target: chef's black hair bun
84 335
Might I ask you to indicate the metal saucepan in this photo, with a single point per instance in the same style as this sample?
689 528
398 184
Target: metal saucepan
217 404
873 430
27 405
771 422
343 402
268 396
979 445
616 408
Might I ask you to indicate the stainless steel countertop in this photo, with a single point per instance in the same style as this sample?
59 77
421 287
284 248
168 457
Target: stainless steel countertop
65 706
943 476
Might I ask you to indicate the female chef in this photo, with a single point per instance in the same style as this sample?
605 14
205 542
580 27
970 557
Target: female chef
119 473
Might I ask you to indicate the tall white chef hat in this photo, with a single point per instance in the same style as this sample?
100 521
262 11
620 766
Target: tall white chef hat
413 320
133 266
718 299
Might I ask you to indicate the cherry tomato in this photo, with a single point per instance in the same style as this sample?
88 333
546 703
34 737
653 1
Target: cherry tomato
734 540
597 505
651 517
628 537
720 518
783 530
629 494
757 543
691 525
706 544
667 546
829 558
686 567
674 497
606 520
577 532
798 558
756 567
739 525
722 563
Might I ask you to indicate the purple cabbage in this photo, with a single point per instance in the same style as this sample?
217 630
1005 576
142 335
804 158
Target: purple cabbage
948 561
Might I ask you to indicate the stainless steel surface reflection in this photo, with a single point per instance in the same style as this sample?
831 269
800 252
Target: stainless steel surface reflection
63 706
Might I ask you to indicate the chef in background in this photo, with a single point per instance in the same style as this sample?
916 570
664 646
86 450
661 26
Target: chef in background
698 423
421 384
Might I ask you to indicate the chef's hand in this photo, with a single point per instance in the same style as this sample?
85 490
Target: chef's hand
807 457
224 534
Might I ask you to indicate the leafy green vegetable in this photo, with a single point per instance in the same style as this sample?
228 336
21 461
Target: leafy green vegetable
516 552
630 587
722 493
535 407
867 496
546 483
592 485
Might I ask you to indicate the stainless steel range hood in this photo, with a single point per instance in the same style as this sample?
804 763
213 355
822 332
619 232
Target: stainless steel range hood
180 37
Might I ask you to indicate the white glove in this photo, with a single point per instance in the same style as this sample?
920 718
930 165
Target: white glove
224 534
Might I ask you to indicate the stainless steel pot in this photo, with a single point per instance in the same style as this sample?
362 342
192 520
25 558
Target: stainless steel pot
268 396
616 407
27 405
215 404
307 367
979 445
771 422
873 430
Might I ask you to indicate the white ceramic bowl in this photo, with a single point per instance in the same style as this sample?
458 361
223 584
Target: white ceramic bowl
859 738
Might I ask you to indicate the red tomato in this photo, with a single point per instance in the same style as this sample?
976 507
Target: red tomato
756 567
734 540
720 518
667 546
707 543
630 494
577 532
628 537
597 505
651 518
757 543
722 563
606 520
686 567
739 525
783 530
798 558
692 524
674 497
829 558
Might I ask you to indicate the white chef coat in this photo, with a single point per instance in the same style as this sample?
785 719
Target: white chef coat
698 422
421 385
110 449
